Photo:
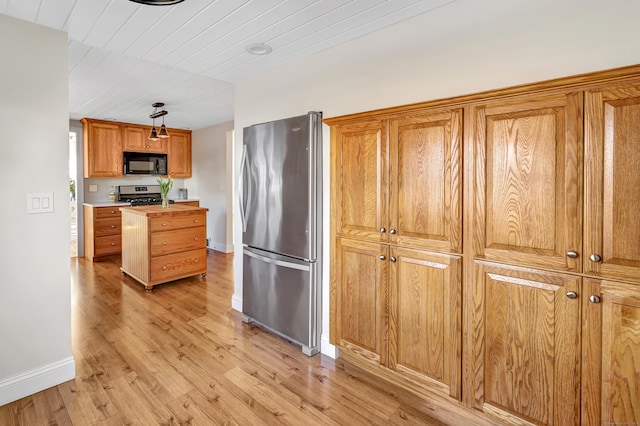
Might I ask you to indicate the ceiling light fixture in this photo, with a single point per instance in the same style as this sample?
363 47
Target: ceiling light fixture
155 135
157 2
258 49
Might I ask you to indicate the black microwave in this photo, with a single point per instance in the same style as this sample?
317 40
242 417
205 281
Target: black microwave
144 163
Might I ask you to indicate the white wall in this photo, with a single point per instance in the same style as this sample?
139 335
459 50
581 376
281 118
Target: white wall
210 182
465 47
35 297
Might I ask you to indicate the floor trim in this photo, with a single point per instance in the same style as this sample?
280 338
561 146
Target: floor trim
37 380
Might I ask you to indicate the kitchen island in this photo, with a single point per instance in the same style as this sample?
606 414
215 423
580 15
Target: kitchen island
163 244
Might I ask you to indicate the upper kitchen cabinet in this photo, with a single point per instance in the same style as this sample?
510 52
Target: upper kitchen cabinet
360 157
612 182
136 139
425 185
399 180
528 181
179 153
102 148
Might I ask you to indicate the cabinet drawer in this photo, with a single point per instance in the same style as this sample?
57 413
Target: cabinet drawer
177 222
105 212
105 227
179 265
179 240
108 245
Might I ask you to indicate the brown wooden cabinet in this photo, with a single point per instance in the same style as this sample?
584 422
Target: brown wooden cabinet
102 143
136 139
105 141
397 294
528 181
425 318
102 231
548 270
526 345
359 303
612 182
611 344
179 154
161 245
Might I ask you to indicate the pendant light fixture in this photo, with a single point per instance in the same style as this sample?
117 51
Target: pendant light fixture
155 135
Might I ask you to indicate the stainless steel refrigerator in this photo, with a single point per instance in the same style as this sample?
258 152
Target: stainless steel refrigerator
281 212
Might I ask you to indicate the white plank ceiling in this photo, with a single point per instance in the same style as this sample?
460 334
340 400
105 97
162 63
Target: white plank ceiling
124 56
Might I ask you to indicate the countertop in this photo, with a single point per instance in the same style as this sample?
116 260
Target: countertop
158 210
121 204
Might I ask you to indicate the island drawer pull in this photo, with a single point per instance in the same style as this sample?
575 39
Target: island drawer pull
164 243
164 268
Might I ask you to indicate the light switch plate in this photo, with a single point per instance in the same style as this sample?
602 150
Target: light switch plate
40 202
93 188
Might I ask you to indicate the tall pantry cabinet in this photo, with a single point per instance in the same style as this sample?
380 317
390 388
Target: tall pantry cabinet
397 227
532 315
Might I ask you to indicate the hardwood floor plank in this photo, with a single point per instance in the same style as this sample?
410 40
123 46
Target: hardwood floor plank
181 355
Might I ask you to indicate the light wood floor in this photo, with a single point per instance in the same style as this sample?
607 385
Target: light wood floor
181 355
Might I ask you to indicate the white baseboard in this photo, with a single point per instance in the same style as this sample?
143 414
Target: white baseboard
236 303
221 247
37 380
327 348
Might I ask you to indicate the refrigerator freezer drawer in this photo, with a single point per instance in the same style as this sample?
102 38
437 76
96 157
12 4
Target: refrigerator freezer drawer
281 294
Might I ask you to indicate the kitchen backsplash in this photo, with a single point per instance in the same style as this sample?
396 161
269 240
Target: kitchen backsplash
105 184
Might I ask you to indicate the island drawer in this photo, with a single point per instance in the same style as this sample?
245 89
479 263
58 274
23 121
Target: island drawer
177 222
107 212
178 240
105 227
178 265
108 245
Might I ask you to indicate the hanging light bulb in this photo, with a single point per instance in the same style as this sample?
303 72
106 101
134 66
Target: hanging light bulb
154 133
163 130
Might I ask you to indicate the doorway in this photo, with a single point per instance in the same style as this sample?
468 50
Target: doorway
73 188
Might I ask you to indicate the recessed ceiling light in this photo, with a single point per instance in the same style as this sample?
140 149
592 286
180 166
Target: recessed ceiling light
157 2
258 49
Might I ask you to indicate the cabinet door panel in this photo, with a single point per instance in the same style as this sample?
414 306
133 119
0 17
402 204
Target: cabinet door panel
529 180
102 150
425 317
179 154
426 181
612 179
526 344
136 139
611 388
360 164
360 298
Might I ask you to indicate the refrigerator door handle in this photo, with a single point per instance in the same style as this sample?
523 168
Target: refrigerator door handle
241 182
277 262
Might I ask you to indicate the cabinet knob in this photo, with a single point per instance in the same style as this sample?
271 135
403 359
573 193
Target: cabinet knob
572 295
164 268
393 259
195 238
195 220
392 231
383 230
164 224
113 226
164 243
195 260
382 257
594 299
113 211
595 258
113 244
572 254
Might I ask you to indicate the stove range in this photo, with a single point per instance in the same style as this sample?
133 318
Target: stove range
140 195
